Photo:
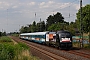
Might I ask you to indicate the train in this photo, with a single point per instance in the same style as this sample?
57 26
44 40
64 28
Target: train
60 39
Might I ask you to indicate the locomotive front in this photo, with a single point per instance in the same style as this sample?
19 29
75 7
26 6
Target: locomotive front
64 39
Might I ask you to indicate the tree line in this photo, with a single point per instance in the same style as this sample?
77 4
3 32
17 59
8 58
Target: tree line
56 22
2 34
53 23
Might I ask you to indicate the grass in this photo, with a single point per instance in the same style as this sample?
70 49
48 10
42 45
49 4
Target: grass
11 51
5 39
77 44
7 52
16 35
87 46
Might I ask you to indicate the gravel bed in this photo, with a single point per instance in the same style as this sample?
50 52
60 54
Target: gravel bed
63 53
83 51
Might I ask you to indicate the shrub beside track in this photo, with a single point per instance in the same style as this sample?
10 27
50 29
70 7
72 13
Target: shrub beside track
11 51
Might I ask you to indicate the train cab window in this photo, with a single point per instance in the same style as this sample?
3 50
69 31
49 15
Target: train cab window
68 35
63 35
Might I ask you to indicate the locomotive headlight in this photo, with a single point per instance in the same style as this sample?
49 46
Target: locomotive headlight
60 40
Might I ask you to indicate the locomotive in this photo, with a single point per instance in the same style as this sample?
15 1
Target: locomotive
60 39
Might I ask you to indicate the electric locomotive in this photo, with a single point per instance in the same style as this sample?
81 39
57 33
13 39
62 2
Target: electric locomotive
60 39
63 39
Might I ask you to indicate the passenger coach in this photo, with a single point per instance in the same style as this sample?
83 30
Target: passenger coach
39 37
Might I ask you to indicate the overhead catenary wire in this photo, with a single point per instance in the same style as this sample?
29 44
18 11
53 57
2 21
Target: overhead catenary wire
69 5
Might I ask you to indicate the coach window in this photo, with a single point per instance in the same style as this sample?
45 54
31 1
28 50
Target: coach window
30 36
38 36
33 36
42 36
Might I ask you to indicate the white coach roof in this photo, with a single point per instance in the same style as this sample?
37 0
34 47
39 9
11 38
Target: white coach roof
35 33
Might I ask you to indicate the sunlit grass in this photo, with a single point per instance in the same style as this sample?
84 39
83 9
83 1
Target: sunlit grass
11 51
77 44
87 46
5 39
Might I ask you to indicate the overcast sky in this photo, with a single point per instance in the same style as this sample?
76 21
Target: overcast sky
17 13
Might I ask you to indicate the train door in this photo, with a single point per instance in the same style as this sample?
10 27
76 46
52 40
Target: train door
51 39
47 39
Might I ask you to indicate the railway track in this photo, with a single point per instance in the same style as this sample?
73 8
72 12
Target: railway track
52 56
55 54
80 53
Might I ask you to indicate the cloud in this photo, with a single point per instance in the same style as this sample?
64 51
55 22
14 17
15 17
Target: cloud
50 2
46 4
31 3
4 5
14 6
53 7
22 12
42 3
77 6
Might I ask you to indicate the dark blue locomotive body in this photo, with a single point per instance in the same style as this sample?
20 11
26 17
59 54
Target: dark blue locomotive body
64 39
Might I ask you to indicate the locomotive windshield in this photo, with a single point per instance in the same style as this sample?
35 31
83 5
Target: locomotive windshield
64 35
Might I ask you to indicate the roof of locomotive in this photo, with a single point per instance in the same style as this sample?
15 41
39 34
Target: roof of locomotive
35 33
63 31
52 32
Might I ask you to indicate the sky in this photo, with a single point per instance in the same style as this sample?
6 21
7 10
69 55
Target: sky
17 13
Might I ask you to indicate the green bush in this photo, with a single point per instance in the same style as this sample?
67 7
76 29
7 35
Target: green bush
87 46
6 52
10 51
5 39
16 35
24 46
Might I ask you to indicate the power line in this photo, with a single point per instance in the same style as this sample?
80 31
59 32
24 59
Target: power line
69 5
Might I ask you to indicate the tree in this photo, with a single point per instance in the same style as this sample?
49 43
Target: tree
54 19
24 29
0 33
85 19
58 18
72 28
58 26
3 33
55 27
33 27
41 26
29 28
50 20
